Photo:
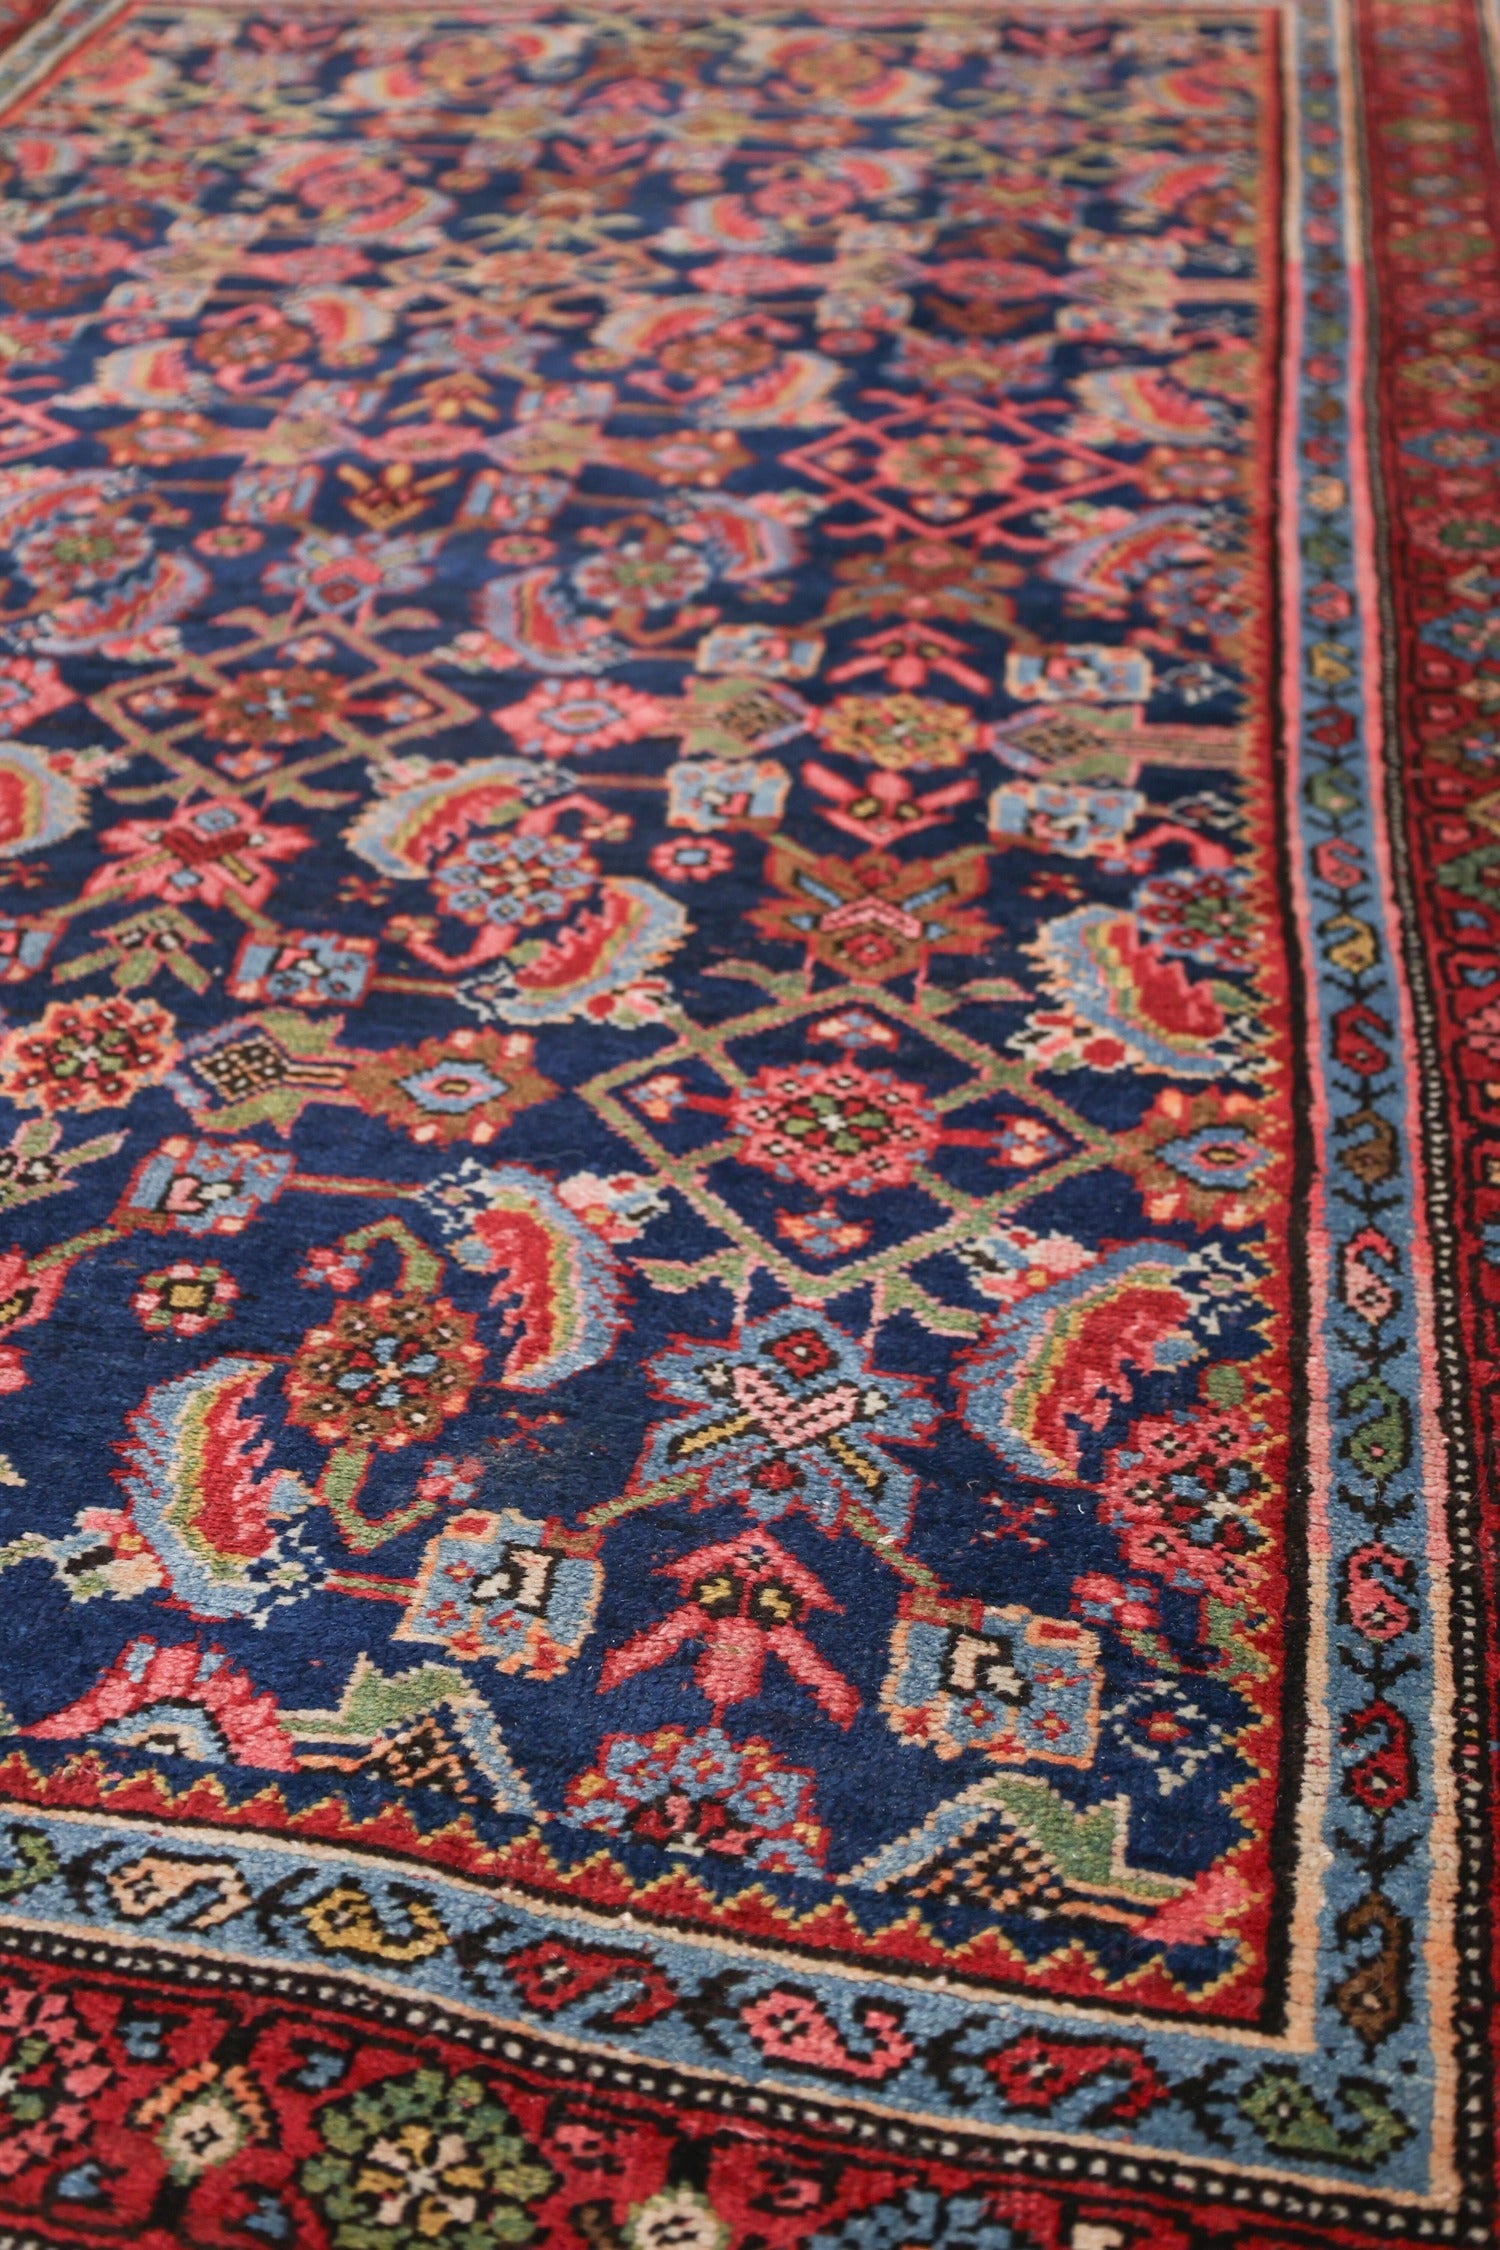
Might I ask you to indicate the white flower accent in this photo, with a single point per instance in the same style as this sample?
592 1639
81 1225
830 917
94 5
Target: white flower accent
677 2219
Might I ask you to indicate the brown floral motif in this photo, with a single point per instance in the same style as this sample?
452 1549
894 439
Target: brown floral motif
927 579
1199 1157
385 1373
950 465
249 345
876 917
900 731
284 705
466 1087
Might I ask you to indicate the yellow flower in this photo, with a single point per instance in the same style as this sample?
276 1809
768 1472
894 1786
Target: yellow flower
900 731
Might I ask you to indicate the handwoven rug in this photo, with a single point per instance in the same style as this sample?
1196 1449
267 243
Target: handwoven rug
750 1103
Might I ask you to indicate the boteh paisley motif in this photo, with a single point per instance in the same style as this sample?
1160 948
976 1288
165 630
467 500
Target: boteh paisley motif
747 1102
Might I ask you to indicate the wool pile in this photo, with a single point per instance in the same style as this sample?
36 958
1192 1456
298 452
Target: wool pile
749 1124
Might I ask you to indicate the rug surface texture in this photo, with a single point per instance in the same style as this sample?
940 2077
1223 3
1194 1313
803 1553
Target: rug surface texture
749 1124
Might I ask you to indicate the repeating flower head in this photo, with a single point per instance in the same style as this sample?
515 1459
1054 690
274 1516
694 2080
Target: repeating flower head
385 1372
902 732
579 718
1188 1496
834 1125
788 1414
88 1054
184 1299
423 2158
702 1795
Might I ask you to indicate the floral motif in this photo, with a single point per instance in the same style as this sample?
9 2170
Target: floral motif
823 1233
207 854
87 544
1171 1728
951 465
184 1299
579 718
204 2118
514 881
334 573
746 1599
51 2072
283 705
386 1372
1186 1495
702 1793
637 572
677 2219
789 1415
692 859
833 1126
88 1054
467 1086
1202 1157
900 732
875 918
427 2158
1204 913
